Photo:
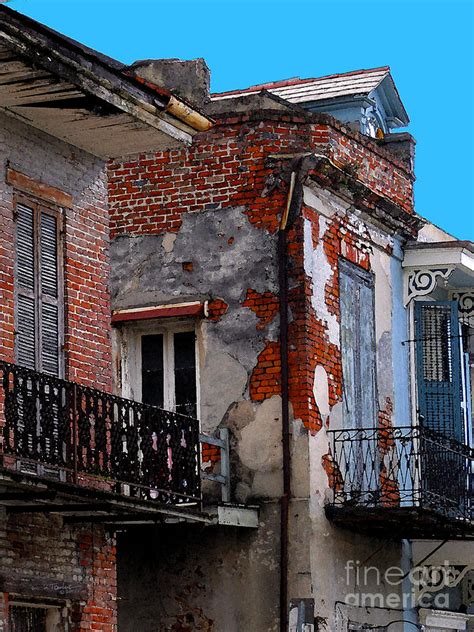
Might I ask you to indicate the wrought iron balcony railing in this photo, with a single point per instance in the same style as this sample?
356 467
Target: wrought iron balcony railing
57 429
408 467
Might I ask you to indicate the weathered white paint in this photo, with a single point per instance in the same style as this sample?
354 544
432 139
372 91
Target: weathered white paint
317 267
321 391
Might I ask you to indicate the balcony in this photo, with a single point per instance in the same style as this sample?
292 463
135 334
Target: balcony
93 456
407 482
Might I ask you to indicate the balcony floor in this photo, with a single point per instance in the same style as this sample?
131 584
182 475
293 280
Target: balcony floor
400 523
25 493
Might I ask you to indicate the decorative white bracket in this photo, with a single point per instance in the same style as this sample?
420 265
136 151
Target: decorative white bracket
465 300
422 281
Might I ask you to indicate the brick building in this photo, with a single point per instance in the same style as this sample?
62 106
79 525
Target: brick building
270 278
64 111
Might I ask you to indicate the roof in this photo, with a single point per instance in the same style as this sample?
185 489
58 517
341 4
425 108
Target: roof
87 99
427 245
339 86
297 90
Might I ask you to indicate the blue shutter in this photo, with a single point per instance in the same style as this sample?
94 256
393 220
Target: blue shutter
438 360
358 347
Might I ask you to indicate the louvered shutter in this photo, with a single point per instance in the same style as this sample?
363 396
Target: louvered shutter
38 306
49 295
26 319
356 291
358 346
438 359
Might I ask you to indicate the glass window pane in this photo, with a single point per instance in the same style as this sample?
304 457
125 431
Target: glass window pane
185 373
152 370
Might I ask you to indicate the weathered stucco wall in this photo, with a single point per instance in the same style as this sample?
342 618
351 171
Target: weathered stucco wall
212 579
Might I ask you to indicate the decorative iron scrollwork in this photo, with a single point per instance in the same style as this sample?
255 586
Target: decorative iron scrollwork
409 466
97 435
465 300
422 281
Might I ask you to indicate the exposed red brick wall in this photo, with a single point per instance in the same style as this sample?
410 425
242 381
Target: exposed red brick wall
216 309
231 166
86 276
381 175
210 455
48 560
265 306
227 166
7 339
265 380
333 472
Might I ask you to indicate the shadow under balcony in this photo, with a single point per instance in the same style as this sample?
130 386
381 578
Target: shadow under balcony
92 456
401 483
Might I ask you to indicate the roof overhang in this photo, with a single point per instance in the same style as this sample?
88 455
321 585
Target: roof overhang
396 114
84 98
456 254
436 268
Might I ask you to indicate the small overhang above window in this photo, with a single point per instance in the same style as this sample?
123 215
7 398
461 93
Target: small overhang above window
441 270
84 98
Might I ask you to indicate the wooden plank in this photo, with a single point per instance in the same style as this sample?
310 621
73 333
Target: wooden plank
170 311
43 191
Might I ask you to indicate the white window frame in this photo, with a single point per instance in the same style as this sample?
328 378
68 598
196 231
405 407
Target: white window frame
131 358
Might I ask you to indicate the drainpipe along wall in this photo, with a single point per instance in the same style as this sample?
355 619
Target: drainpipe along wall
285 416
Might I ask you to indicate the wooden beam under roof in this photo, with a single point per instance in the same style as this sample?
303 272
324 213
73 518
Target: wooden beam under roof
71 92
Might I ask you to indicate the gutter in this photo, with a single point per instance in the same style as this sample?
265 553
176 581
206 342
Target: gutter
177 107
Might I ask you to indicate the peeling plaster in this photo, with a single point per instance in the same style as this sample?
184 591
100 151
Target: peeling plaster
380 263
260 445
320 272
321 391
225 383
168 242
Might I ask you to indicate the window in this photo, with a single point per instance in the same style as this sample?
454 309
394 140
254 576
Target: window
160 367
38 287
35 618
358 350
168 371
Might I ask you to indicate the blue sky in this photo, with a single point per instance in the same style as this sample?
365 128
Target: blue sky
429 45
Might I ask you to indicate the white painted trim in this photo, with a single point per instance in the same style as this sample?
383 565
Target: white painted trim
439 257
130 338
437 620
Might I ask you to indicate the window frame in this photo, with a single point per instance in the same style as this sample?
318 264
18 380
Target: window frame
131 355
50 606
39 207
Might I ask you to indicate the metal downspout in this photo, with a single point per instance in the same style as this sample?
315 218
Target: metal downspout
285 416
